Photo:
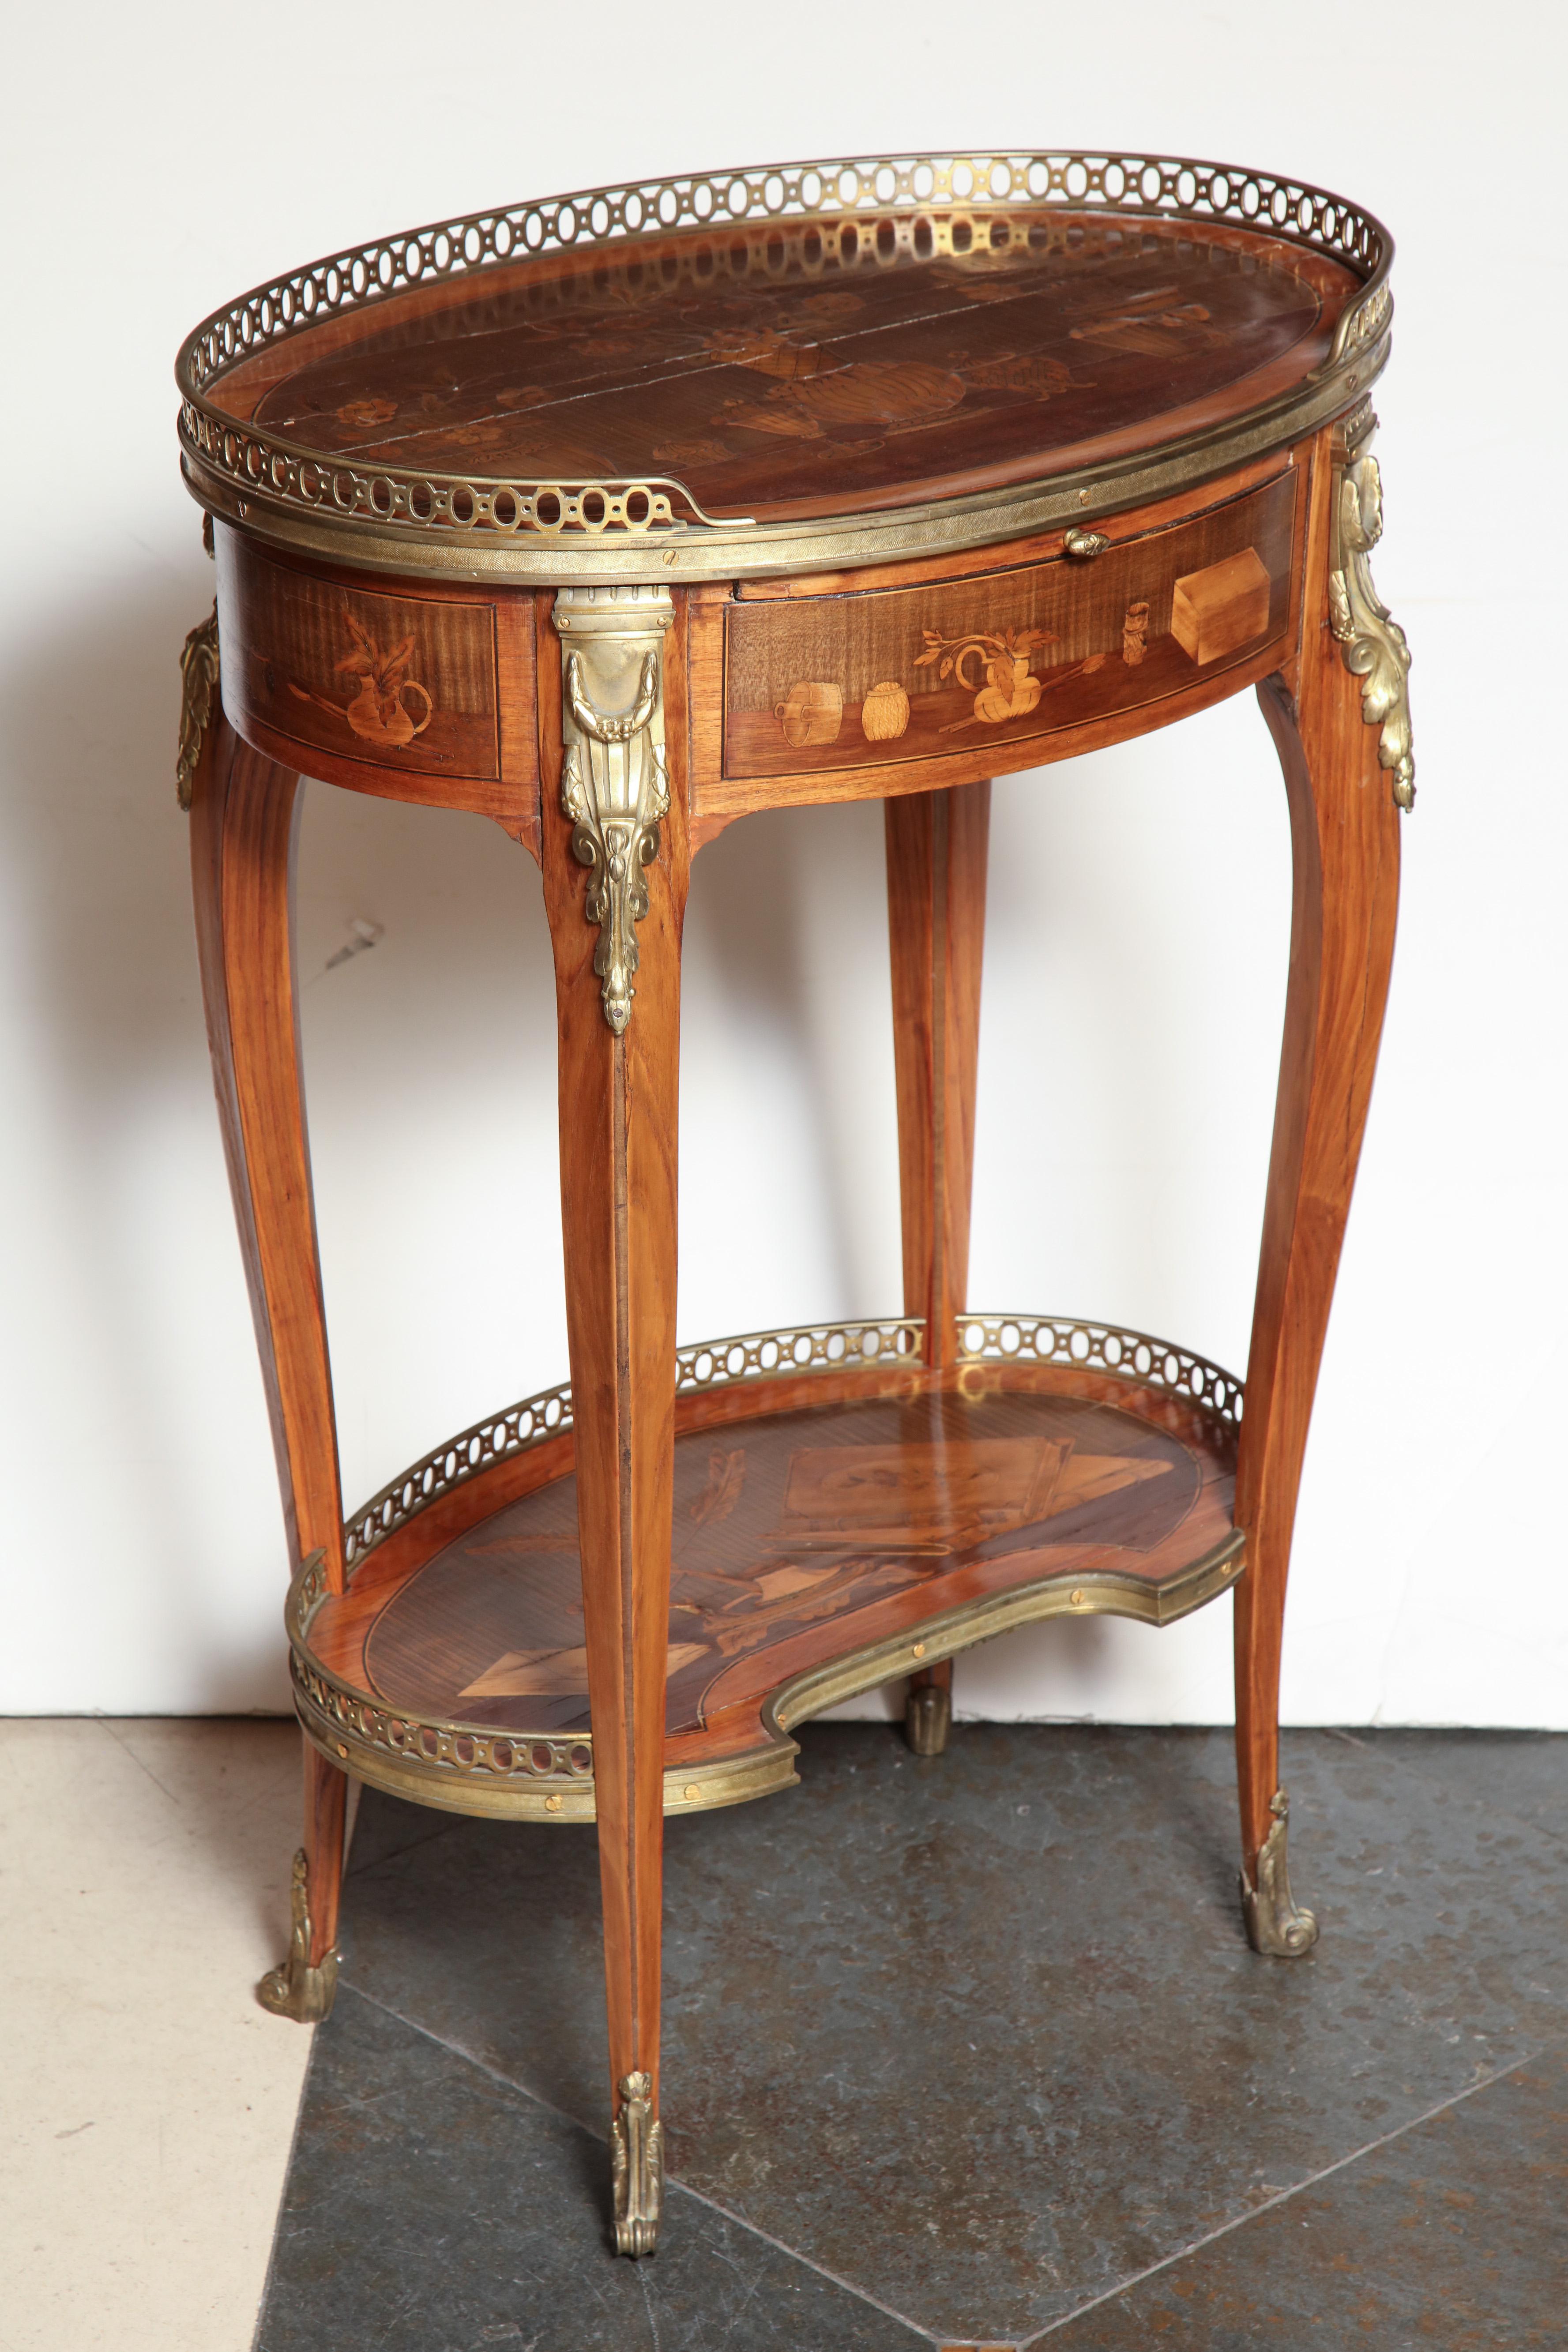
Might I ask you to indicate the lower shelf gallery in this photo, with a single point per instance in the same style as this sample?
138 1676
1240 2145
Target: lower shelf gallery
840 1520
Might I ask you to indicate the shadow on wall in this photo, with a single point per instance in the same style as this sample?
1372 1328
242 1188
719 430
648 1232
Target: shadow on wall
788 1102
431 1057
107 1035
141 1392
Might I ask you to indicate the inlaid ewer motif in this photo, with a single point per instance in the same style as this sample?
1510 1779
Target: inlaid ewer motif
379 710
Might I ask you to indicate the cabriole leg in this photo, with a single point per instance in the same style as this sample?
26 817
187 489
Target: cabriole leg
616 934
1344 831
303 1987
244 827
936 933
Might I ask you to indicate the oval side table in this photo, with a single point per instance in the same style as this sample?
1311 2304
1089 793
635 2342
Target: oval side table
616 517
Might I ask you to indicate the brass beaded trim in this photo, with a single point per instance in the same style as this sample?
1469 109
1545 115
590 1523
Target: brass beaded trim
342 1714
1102 1347
522 1426
532 1755
712 1363
263 475
814 1348
541 1776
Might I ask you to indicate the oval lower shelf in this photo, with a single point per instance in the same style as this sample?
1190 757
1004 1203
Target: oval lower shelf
831 1531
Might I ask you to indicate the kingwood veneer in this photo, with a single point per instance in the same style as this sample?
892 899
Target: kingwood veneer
615 517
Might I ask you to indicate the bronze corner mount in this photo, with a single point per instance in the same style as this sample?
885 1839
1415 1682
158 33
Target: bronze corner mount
297 1989
1274 1923
198 685
1371 643
636 2162
614 784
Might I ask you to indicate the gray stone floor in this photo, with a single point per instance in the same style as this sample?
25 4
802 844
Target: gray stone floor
965 2051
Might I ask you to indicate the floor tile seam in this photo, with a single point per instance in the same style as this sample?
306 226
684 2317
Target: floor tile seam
294 2137
1021 2344
106 1723
372 1864
507 2082
1482 1804
468 2058
1284 2196
806 2262
1516 1821
426 1834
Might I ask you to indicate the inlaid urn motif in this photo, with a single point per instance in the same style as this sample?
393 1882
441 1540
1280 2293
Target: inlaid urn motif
885 713
380 710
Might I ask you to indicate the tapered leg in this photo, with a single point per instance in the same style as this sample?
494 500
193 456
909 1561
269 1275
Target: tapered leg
244 824
303 1987
1344 832
936 930
615 805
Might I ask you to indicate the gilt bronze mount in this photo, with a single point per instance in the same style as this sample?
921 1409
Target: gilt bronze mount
928 1712
299 1988
615 783
636 2166
1373 643
198 687
1275 1923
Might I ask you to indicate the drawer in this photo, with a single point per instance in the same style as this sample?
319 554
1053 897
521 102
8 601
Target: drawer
404 682
891 674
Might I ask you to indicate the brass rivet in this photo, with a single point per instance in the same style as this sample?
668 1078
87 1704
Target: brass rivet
692 1792
1083 497
919 1650
1077 1598
553 1804
342 1749
669 555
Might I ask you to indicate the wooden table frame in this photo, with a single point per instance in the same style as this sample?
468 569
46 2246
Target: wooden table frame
1331 667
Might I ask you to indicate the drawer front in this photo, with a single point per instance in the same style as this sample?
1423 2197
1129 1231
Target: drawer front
404 682
901 674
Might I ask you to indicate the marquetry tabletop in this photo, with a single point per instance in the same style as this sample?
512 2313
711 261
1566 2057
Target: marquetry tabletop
844 347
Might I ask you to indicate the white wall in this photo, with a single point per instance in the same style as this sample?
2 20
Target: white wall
161 159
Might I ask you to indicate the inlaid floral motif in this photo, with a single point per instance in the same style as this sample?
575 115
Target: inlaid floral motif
364 414
1038 374
1010 689
379 709
892 393
1155 327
